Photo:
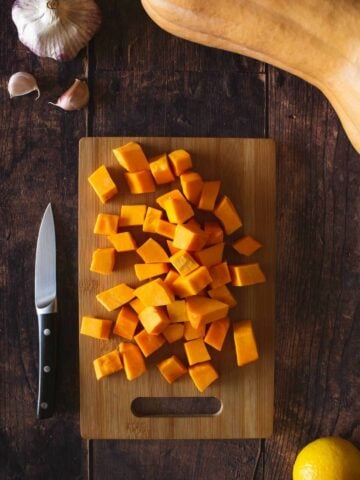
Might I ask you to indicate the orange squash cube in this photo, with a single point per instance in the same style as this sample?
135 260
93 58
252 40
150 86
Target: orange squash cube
170 278
154 319
171 247
201 310
183 262
151 217
245 343
220 275
143 271
160 169
131 157
203 375
140 182
133 361
180 161
126 323
171 368
191 333
228 216
122 242
115 297
215 336
172 194
147 343
132 215
106 224
178 210
209 195
137 305
164 228
244 275
215 233
152 252
246 245
107 364
210 256
193 283
177 311
194 224
103 184
224 295
96 327
174 332
103 261
191 184
155 293
196 351
189 238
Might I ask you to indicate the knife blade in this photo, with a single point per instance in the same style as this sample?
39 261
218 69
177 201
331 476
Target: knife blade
46 309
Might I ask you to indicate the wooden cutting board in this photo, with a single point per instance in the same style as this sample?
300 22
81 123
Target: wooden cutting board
241 401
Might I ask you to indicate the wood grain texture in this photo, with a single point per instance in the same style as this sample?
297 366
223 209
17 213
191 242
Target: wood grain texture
246 169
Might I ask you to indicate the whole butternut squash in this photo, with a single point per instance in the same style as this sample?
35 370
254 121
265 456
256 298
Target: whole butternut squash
317 40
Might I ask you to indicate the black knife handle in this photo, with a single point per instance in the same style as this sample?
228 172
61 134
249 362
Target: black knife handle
47 364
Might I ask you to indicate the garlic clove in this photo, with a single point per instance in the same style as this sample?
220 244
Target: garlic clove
75 98
22 83
56 28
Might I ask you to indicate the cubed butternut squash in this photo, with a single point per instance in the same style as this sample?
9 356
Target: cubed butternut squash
208 196
171 247
201 310
228 216
191 333
194 224
103 261
189 238
171 368
133 361
216 334
152 252
244 275
137 305
170 278
203 375
246 245
154 319
96 327
132 215
224 295
192 283
107 364
151 217
220 275
177 311
183 262
103 184
191 184
171 194
131 157
161 170
123 242
106 224
174 332
180 161
126 323
178 210
140 182
215 233
210 256
147 343
245 343
115 297
164 228
155 293
196 351
143 271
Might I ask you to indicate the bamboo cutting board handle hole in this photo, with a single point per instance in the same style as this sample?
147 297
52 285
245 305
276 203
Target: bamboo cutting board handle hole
176 406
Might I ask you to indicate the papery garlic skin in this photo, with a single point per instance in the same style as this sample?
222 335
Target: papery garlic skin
58 29
75 98
22 83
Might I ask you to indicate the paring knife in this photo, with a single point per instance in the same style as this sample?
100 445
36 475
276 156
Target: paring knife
46 308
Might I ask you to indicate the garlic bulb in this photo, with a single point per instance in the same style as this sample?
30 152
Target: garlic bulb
76 97
22 83
56 28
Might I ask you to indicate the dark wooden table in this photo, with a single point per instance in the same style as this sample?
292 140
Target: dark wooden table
146 82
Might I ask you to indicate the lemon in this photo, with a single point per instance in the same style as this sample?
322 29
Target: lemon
328 458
